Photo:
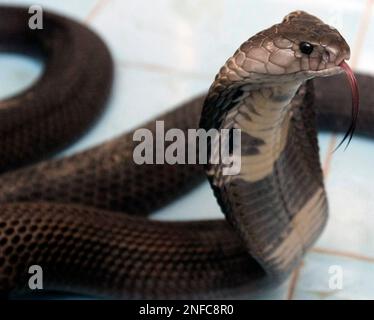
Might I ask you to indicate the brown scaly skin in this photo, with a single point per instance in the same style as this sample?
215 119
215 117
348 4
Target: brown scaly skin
81 218
39 120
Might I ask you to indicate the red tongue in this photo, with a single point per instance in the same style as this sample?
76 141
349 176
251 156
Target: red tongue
355 102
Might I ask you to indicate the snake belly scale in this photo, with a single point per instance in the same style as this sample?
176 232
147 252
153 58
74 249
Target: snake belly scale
84 218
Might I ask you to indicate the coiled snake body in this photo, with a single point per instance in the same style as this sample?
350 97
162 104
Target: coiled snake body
82 218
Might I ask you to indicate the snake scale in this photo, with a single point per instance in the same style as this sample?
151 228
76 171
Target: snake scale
84 218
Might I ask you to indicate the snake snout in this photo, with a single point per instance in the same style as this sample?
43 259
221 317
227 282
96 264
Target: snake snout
338 52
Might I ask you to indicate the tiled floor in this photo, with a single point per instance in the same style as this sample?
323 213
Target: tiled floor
167 52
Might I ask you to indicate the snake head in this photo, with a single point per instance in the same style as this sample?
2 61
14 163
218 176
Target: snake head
299 48
320 51
315 45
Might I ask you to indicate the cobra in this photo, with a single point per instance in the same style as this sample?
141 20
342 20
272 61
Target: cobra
84 218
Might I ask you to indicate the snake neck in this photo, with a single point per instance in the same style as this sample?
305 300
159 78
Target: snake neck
263 115
280 186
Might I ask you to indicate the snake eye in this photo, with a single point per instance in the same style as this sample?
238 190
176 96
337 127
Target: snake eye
306 47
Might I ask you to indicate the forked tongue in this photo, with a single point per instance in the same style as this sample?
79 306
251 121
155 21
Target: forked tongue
355 102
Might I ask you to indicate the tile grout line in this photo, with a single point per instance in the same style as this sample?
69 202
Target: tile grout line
345 254
329 154
349 255
99 6
358 44
294 278
163 69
